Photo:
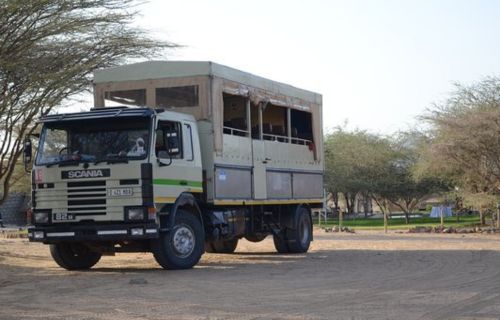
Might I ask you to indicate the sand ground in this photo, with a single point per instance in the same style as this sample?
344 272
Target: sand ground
367 275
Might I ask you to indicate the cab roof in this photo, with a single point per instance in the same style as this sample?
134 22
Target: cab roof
115 112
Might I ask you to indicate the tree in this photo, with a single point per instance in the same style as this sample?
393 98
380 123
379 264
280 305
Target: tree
402 186
354 162
465 139
48 51
378 168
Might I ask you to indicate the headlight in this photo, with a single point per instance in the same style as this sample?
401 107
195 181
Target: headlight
41 217
136 231
135 213
38 235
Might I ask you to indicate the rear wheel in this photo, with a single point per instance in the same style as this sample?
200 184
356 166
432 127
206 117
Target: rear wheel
296 239
74 256
182 246
299 238
280 242
222 246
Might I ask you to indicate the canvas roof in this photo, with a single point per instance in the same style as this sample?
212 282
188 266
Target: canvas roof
176 69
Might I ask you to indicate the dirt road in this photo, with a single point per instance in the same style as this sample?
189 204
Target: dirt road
348 276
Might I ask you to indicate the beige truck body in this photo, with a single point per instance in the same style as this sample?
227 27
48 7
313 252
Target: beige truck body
260 140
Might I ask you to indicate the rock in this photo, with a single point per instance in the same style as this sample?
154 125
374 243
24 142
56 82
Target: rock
138 281
421 229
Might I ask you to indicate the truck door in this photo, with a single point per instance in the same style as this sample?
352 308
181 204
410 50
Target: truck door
177 167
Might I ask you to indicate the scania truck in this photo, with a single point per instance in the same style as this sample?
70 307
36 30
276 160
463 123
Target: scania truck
177 158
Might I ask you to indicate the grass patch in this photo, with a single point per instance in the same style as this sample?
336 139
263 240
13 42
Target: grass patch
399 223
13 234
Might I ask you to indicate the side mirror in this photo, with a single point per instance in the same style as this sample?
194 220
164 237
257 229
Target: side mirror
27 152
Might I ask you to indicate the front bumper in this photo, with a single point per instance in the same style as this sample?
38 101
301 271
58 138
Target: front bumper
103 232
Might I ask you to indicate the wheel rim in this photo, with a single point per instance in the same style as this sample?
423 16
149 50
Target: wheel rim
304 232
183 241
78 250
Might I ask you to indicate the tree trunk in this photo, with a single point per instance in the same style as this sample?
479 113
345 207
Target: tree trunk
335 198
353 202
385 222
404 209
347 203
407 217
365 205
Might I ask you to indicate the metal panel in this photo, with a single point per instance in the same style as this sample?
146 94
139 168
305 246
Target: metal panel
279 185
307 185
259 170
233 183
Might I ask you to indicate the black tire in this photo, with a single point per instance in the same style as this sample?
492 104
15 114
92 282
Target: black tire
74 256
300 236
280 242
182 246
222 246
256 237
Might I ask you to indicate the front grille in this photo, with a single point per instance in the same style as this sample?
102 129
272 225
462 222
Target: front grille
87 198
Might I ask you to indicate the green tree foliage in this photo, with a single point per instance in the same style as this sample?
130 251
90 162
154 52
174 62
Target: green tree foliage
378 168
465 141
355 163
406 189
48 50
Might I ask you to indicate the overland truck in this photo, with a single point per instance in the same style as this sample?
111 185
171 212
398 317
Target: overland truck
178 158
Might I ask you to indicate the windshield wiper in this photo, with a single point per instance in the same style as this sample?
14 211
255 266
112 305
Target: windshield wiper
111 160
67 163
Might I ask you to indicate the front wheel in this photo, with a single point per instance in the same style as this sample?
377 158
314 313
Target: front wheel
74 256
182 246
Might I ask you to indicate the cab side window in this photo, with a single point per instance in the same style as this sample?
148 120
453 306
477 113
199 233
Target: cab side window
188 142
169 140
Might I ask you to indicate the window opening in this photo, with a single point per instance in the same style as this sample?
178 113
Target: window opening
235 115
168 140
125 97
184 96
301 123
274 123
188 142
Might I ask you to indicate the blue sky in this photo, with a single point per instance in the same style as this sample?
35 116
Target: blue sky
378 64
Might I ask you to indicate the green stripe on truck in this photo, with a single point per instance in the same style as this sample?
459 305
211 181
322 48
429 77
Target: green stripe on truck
175 183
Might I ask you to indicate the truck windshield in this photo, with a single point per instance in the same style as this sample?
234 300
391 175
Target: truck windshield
95 141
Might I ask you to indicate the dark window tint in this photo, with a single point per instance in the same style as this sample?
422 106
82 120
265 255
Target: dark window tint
168 140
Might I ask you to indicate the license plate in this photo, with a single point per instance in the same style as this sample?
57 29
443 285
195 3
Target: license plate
62 216
120 192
